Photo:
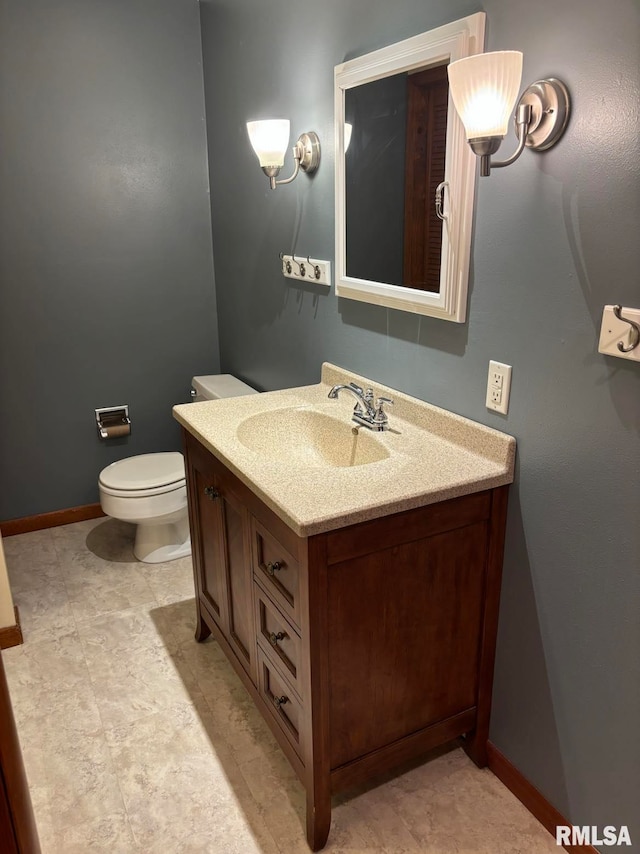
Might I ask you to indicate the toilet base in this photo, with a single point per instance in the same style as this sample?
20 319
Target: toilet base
160 543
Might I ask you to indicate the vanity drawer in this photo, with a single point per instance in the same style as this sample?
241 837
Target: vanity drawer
283 705
277 637
277 569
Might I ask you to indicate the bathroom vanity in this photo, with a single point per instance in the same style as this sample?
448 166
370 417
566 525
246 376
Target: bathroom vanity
351 578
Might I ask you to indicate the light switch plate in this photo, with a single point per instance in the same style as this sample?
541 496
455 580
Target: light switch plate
498 387
614 331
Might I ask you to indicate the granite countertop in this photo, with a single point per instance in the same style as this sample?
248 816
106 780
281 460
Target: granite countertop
427 455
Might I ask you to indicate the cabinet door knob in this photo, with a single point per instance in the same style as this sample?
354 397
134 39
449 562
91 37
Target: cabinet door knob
273 567
274 638
211 492
280 701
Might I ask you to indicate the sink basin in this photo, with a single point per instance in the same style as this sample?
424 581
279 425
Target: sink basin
310 438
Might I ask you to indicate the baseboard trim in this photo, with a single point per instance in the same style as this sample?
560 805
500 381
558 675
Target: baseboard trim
530 797
50 520
11 635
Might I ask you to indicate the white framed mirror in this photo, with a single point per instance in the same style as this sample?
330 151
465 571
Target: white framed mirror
398 139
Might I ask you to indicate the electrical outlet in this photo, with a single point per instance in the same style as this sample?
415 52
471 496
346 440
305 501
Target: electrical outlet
498 387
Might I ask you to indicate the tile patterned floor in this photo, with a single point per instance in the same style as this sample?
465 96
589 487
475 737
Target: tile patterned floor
138 740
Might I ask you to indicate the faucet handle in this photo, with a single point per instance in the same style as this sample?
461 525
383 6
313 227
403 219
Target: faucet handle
381 415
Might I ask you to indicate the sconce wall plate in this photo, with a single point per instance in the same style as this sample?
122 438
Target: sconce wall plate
549 101
309 148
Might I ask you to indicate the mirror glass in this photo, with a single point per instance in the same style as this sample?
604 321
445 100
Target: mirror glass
400 145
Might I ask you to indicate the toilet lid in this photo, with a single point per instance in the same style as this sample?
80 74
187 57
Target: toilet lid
146 471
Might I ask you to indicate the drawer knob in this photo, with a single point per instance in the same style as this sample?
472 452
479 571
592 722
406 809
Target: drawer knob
280 701
273 567
211 492
274 638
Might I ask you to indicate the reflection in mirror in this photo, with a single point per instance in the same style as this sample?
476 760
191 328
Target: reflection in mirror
392 170
406 145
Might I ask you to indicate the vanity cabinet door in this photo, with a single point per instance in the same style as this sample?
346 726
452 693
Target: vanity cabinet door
205 524
235 557
221 550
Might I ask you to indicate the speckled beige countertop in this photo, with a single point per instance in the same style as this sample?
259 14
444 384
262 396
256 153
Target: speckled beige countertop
298 457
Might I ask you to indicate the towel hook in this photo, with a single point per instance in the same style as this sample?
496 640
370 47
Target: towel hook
315 267
302 270
635 331
286 262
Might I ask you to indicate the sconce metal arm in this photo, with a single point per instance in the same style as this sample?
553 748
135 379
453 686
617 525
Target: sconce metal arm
306 156
272 171
297 154
523 120
486 146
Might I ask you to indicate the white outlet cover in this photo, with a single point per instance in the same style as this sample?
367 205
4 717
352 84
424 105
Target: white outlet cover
498 387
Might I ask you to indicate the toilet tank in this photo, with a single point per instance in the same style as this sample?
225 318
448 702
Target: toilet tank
215 386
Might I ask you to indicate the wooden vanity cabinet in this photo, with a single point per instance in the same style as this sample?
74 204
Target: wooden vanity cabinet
363 647
219 524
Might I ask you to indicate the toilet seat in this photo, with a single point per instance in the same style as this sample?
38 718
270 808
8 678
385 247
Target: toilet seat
144 475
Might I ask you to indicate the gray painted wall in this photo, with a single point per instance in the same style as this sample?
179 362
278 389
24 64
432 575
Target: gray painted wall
106 269
556 238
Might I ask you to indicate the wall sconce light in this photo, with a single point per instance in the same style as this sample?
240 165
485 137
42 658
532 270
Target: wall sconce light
270 138
484 89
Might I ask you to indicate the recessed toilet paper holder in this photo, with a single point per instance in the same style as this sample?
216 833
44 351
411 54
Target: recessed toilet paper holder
113 421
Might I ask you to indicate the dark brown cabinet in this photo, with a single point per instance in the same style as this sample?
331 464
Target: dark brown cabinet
221 547
18 834
364 646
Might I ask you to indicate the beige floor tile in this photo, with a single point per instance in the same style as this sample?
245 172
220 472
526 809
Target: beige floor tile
109 539
38 546
58 665
137 739
227 831
107 834
141 688
175 623
234 712
42 811
112 638
30 570
81 781
45 612
169 773
371 818
117 588
170 582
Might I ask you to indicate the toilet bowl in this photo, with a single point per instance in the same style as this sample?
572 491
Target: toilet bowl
149 490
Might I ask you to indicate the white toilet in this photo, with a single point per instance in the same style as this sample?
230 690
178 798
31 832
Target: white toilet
150 490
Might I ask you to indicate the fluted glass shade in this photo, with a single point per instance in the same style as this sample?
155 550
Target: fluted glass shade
269 139
484 89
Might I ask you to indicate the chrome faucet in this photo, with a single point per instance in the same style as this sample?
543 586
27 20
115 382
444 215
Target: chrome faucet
367 412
